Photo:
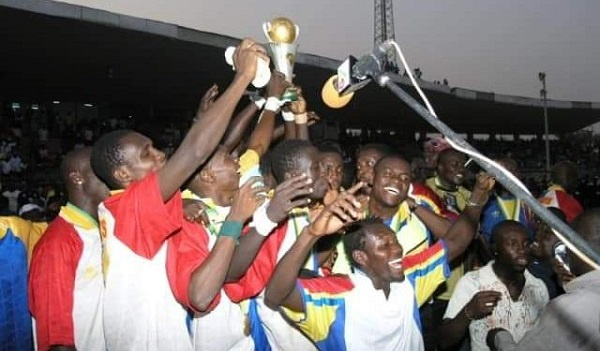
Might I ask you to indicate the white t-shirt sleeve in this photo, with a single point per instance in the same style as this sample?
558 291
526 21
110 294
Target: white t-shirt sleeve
465 289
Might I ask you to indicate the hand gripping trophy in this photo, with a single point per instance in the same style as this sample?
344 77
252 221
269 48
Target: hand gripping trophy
282 34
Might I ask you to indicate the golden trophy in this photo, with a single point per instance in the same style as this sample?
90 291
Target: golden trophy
282 34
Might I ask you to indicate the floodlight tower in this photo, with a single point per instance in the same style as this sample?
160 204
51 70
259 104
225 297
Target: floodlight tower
384 28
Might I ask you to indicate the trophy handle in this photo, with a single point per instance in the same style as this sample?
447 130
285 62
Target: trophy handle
297 31
266 26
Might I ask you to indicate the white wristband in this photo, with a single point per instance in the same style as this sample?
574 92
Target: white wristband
263 225
301 118
260 103
273 104
288 116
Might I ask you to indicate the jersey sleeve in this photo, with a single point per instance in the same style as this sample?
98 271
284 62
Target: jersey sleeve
426 270
258 274
51 285
324 309
143 221
186 252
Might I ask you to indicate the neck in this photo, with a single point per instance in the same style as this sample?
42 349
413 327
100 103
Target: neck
444 185
380 284
86 204
507 274
380 210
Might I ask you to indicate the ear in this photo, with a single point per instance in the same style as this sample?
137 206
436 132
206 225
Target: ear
206 176
76 178
360 257
121 175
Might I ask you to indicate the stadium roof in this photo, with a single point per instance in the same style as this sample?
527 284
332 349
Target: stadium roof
57 51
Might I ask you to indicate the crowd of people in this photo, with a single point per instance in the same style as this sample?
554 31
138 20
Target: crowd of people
268 240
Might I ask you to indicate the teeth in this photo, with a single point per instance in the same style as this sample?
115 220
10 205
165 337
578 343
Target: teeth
392 190
460 176
395 262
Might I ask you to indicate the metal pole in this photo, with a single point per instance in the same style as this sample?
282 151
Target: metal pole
384 80
543 95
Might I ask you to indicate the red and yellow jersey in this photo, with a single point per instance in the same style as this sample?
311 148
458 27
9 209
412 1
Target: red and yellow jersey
65 283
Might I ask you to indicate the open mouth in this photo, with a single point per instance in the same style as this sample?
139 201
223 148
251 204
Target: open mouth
522 261
459 176
396 263
392 190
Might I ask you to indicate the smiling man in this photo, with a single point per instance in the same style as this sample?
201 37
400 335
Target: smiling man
376 307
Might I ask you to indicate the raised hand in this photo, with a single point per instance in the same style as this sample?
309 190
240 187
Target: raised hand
195 211
313 118
482 304
209 98
484 184
247 199
299 106
277 85
288 195
245 56
345 209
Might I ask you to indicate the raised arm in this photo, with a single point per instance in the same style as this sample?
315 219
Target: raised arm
237 127
281 288
463 230
208 278
263 132
205 134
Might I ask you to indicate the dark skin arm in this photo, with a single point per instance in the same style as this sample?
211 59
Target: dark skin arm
437 224
263 132
205 134
298 107
462 231
281 290
288 195
237 127
208 278
481 305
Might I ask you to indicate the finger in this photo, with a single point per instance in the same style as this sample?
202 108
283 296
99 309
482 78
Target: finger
355 188
298 203
303 191
339 212
348 207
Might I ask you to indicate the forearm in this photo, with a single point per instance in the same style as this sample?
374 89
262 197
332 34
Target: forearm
208 279
302 131
437 224
278 133
261 136
238 125
244 254
290 130
284 278
452 331
463 230
208 130
201 140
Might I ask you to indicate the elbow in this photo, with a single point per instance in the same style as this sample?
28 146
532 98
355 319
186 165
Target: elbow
202 302
270 301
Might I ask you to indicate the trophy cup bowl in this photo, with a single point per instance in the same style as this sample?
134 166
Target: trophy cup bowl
282 34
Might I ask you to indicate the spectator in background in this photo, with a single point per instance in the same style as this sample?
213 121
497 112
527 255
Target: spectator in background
564 177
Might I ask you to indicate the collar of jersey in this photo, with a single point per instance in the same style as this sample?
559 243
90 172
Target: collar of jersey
77 217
